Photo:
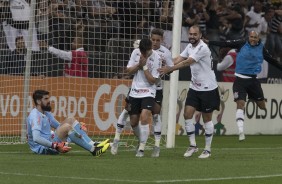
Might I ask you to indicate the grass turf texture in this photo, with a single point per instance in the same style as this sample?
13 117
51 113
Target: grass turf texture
257 160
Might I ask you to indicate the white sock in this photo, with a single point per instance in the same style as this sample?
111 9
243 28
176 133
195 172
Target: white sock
240 120
123 117
190 129
209 130
121 123
144 134
157 125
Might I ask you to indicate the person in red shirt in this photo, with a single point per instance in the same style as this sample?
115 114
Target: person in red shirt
228 63
77 57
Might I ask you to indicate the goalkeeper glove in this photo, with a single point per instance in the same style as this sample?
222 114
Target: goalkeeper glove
61 147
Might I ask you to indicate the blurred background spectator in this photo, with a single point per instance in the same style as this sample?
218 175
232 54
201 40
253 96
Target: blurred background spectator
17 23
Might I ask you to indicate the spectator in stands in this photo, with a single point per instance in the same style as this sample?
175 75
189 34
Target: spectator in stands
200 16
254 17
134 19
42 19
233 23
18 24
77 59
60 27
4 9
166 20
15 61
274 41
103 14
266 19
187 8
214 11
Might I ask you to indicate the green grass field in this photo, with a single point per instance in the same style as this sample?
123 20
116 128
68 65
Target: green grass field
258 160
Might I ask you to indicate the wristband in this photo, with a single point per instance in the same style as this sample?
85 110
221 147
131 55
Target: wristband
145 67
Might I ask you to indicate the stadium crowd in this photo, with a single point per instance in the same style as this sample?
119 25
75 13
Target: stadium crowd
108 29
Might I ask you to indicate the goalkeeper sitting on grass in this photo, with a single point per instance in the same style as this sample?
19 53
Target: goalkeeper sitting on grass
39 124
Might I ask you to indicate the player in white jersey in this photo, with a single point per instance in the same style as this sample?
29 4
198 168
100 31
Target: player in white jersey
203 94
165 54
143 64
42 141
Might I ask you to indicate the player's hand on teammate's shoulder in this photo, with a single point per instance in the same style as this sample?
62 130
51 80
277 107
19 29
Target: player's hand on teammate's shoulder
165 70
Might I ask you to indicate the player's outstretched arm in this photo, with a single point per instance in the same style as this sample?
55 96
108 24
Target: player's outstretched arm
228 43
182 63
65 55
271 60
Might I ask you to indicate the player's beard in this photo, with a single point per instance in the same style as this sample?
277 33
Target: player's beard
46 107
194 41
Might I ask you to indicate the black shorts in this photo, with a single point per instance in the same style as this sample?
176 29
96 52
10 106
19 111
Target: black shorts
135 105
250 86
203 101
159 97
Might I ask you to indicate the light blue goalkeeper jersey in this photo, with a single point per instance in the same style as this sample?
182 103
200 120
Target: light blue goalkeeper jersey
43 123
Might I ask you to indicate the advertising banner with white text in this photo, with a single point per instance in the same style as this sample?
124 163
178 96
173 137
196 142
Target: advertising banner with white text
257 121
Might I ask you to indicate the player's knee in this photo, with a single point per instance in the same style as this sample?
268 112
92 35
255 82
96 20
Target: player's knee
188 115
70 120
134 120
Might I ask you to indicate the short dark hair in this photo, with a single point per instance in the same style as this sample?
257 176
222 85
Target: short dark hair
157 31
38 95
196 26
145 45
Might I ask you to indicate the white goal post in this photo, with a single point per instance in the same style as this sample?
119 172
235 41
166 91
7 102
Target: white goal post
177 21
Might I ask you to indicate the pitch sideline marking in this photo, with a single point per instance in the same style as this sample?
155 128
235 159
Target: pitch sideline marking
140 181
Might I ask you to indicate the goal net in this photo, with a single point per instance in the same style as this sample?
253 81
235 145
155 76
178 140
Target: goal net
78 51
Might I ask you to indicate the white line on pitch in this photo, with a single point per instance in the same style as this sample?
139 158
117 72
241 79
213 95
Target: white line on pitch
144 181
130 149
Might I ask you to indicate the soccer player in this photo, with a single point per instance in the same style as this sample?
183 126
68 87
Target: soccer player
166 59
39 124
250 56
203 93
143 64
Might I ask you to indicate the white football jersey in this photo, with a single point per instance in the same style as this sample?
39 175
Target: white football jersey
166 60
140 86
203 77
